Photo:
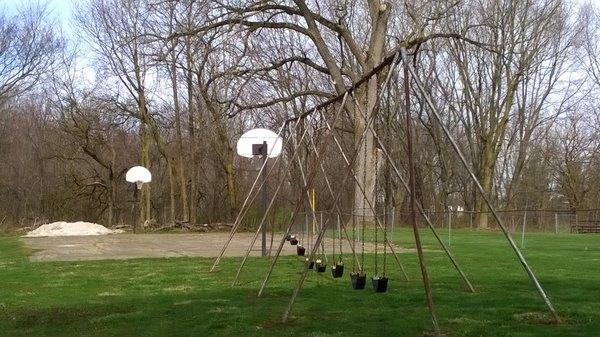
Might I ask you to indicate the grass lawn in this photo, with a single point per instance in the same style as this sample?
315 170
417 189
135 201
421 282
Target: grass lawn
178 297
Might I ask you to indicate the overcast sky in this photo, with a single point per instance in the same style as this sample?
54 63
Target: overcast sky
61 9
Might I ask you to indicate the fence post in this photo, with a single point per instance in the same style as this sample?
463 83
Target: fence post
449 226
523 231
556 222
471 220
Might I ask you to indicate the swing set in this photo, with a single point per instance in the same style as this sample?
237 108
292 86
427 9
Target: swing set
315 130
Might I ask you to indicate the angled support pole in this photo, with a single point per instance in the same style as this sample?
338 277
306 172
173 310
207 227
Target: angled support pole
364 193
355 154
297 209
339 212
247 203
420 207
413 216
480 189
267 211
331 193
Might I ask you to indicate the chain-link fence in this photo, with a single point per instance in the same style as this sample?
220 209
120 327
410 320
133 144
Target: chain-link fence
546 221
517 221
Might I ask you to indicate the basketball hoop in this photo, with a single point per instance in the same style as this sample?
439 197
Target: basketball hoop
138 175
259 142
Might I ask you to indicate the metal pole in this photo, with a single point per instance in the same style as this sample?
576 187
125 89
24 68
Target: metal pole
421 210
449 227
393 220
263 225
264 198
323 241
304 273
339 212
248 251
364 193
306 230
464 162
267 210
556 223
413 213
247 203
523 229
336 199
298 205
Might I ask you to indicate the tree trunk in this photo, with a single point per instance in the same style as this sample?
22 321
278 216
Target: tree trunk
192 135
231 188
368 102
363 167
178 136
485 176
144 203
111 196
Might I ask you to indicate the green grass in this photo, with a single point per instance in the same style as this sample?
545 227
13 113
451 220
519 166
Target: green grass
178 297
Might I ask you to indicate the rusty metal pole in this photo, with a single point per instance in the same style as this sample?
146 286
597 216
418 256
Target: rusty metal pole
309 180
248 201
413 213
421 210
520 257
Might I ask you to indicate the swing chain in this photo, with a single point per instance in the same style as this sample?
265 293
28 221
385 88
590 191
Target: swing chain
375 209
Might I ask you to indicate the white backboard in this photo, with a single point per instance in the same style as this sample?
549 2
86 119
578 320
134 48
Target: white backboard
258 136
138 175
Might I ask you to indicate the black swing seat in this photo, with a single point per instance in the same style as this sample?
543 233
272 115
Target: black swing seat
300 250
293 240
311 264
358 280
380 284
337 270
321 266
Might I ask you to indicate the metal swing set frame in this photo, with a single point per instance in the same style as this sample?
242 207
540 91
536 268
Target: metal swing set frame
399 57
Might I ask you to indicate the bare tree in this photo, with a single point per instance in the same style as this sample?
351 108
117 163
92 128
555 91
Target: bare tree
29 43
113 28
511 83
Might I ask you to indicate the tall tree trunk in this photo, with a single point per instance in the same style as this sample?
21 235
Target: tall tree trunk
160 145
222 145
485 176
191 134
231 188
144 203
180 162
111 194
363 167
368 101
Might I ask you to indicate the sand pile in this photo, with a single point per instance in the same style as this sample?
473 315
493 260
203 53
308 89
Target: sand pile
62 228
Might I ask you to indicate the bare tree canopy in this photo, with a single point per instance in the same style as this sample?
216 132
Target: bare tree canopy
29 43
171 85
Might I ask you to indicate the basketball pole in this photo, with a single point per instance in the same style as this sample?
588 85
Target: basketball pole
265 201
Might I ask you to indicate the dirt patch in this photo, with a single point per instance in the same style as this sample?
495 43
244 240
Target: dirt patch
131 246
534 317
